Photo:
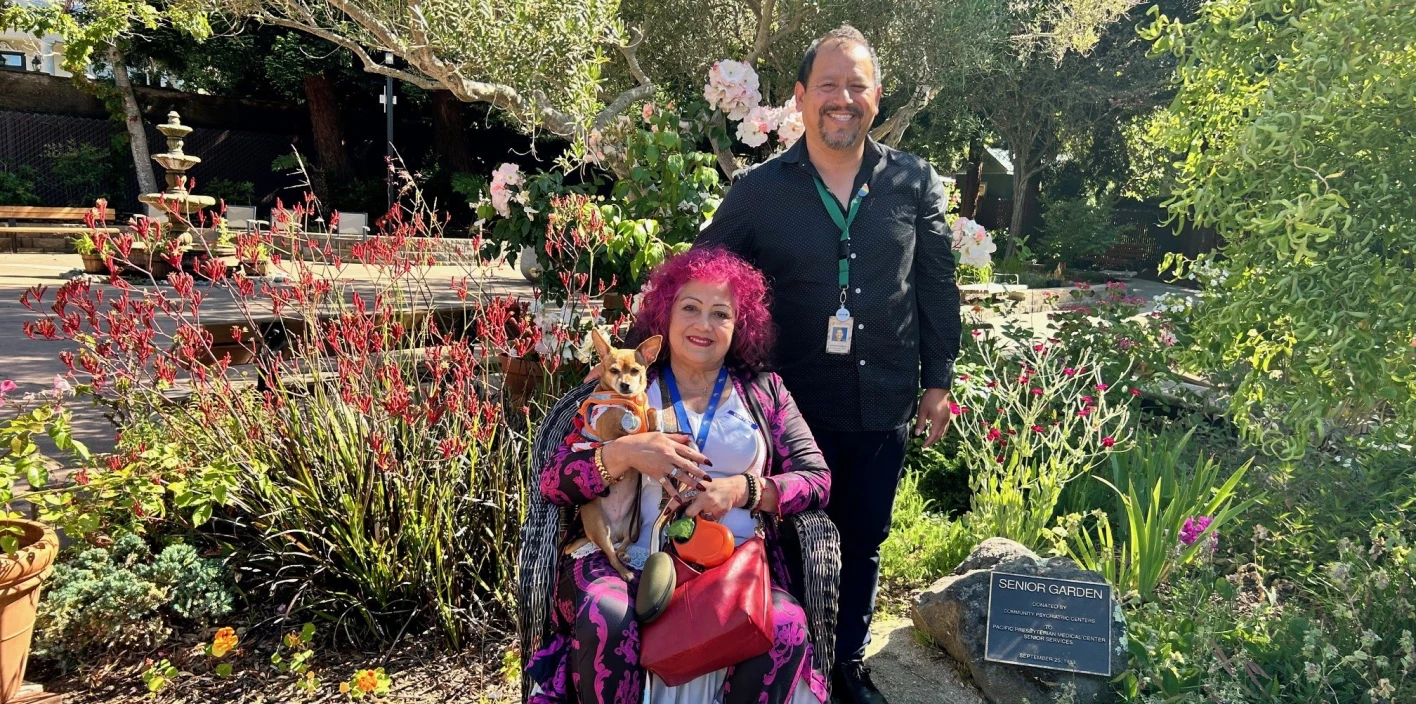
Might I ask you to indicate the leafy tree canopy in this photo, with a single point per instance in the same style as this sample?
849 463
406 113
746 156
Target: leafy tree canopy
1295 126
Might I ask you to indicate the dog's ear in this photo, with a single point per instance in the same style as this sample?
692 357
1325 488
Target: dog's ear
648 350
602 346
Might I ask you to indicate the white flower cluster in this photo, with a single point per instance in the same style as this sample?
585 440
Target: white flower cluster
1208 273
733 88
1173 303
563 318
506 177
974 244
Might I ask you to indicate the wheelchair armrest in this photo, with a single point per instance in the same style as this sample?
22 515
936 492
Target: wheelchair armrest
813 548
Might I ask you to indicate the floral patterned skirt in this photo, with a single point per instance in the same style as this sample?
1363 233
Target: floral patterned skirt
592 655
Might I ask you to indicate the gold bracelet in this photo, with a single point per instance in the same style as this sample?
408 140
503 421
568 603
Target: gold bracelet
600 465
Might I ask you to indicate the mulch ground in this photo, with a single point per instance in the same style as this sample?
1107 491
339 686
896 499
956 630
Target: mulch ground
420 673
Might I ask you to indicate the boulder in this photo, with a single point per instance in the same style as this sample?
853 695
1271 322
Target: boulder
954 613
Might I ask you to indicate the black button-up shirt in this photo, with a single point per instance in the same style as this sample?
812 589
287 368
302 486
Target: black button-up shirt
901 295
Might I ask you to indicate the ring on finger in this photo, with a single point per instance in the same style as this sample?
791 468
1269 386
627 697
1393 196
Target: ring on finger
664 481
674 472
688 495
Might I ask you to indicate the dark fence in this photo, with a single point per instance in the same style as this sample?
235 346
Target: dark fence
29 139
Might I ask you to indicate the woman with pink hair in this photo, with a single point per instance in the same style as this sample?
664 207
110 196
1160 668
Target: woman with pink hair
757 457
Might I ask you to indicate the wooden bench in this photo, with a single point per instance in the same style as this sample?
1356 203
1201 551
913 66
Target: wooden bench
11 214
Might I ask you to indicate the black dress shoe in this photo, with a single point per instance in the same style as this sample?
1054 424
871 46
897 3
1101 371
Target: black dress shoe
853 685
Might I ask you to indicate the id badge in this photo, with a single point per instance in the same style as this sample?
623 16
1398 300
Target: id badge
839 330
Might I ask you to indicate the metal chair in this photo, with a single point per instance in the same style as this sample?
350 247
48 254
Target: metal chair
809 538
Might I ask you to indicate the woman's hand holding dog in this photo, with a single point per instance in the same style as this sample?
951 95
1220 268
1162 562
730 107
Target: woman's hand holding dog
659 456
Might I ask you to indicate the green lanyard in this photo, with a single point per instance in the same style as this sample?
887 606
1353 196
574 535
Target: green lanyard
844 222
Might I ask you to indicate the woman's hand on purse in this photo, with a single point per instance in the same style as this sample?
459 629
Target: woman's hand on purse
714 501
659 456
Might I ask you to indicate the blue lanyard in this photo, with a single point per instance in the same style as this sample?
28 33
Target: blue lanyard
702 436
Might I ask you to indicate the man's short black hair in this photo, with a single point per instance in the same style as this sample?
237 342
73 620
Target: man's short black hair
844 34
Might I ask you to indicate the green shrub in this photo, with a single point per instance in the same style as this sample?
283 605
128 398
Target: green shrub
82 167
1346 636
1168 513
17 186
1077 230
121 597
923 545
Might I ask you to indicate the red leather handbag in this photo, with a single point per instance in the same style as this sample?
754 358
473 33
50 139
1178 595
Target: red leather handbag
716 618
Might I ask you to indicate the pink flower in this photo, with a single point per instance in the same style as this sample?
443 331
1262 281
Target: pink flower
1037 428
648 111
963 377
790 128
1194 527
1069 371
1085 411
1135 392
1087 400
976 332
999 459
1037 348
955 409
7 386
1102 387
993 434
1108 441
1036 391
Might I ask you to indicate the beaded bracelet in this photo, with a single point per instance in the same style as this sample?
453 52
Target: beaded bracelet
754 493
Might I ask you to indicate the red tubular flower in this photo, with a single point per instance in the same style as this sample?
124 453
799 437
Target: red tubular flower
1108 441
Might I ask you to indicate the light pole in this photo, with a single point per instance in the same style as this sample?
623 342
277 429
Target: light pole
388 101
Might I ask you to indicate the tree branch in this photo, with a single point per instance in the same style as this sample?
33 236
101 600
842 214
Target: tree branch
893 128
764 30
370 65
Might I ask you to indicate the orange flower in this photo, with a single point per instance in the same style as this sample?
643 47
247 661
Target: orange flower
292 640
366 680
224 642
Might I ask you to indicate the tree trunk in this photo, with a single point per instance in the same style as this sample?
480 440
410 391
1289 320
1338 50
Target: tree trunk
449 133
133 120
1024 169
973 180
327 129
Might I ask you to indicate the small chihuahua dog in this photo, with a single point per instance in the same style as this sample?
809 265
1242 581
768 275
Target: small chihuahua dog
618 407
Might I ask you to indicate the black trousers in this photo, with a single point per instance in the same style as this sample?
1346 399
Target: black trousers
865 471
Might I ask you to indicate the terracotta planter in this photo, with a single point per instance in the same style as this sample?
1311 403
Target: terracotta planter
20 580
93 264
521 377
260 268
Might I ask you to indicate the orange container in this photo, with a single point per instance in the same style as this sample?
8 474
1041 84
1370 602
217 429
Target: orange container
710 544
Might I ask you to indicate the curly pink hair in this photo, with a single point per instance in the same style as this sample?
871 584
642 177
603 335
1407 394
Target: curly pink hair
753 332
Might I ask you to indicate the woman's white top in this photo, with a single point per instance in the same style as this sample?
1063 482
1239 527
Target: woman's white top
735 446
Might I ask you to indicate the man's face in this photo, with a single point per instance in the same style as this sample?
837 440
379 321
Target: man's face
840 99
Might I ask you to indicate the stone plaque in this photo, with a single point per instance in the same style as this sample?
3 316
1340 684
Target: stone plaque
1057 624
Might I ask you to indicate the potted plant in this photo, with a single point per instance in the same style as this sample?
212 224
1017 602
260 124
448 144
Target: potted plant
88 251
257 260
27 548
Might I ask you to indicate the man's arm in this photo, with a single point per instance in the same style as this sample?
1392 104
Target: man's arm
936 294
731 228
937 299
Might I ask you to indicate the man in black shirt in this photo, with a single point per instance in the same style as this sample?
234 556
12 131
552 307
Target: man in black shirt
852 236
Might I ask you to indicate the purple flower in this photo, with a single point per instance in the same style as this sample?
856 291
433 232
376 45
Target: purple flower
1194 527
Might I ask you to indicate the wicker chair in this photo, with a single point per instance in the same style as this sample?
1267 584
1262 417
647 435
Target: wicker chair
810 540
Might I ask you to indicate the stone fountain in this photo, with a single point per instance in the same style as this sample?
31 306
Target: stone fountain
176 202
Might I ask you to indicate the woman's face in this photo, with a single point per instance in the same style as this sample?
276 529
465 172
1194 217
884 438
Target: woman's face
701 327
